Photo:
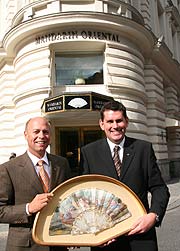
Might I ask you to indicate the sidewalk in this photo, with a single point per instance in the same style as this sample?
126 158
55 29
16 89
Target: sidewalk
174 189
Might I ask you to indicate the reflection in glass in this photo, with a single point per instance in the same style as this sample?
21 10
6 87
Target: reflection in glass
88 67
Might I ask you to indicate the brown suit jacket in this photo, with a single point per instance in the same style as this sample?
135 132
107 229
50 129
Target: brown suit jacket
19 185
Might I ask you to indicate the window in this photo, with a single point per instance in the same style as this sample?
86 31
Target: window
87 67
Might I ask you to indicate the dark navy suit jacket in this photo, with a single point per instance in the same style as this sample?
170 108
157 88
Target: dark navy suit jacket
139 172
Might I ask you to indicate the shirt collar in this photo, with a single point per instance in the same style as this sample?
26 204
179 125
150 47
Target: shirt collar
112 145
36 159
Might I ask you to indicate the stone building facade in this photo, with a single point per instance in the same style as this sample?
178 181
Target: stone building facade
62 59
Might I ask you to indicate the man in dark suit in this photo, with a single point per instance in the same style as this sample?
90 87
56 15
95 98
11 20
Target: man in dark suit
21 191
138 170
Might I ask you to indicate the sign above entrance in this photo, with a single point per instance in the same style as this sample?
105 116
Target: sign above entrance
70 101
77 34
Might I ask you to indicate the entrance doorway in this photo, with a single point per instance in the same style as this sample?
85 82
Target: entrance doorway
70 140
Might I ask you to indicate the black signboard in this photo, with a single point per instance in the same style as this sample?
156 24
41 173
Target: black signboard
77 102
69 101
53 105
98 101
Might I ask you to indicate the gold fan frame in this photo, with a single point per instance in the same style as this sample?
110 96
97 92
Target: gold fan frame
42 221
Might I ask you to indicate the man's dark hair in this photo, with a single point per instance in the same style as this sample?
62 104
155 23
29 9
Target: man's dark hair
113 106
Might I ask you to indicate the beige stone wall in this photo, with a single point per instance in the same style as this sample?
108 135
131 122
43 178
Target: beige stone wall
125 82
141 66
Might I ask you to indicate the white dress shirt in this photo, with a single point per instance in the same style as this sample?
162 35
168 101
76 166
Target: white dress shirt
121 145
35 160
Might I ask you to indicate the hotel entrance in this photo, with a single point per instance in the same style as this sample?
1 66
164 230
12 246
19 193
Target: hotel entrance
73 108
70 140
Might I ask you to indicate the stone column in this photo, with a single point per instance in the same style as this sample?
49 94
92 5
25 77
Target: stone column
156 116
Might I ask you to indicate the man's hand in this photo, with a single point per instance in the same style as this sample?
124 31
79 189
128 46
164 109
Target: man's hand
40 201
107 243
143 224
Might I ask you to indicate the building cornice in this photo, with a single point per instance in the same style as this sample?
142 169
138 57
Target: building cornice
31 28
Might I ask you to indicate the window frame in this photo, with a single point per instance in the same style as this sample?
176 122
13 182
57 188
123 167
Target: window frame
97 78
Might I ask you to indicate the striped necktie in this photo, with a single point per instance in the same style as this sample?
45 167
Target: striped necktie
43 176
117 161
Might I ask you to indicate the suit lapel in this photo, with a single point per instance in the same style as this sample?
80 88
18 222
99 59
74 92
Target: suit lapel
28 171
105 151
108 163
129 152
54 172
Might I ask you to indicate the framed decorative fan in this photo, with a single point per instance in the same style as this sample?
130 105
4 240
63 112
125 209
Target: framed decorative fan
87 210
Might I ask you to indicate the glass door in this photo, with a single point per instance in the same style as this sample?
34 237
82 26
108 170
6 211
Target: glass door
70 140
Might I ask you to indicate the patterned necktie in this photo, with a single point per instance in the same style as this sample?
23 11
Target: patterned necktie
44 178
117 161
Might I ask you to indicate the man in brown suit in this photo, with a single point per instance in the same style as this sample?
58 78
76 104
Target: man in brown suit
21 191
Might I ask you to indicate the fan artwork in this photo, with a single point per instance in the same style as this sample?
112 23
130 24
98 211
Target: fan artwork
87 211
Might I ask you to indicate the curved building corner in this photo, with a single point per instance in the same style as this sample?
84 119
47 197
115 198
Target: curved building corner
63 59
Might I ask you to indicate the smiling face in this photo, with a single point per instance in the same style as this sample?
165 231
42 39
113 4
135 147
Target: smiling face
37 134
114 125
